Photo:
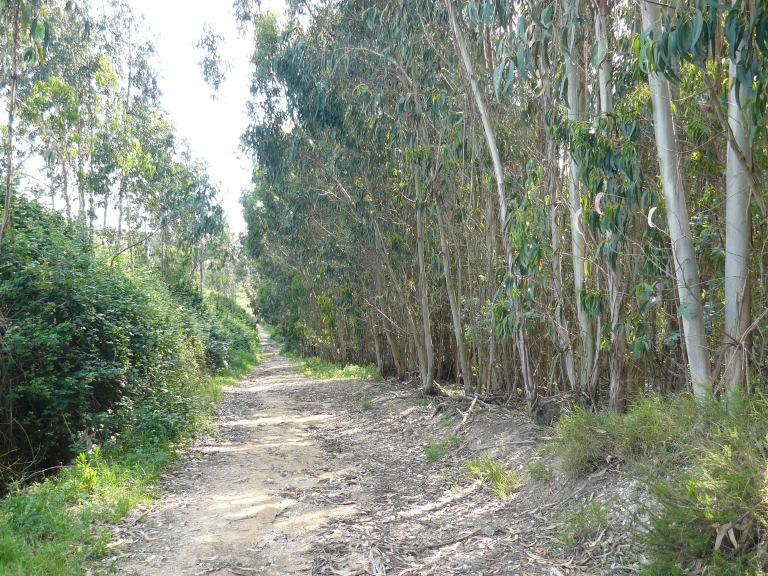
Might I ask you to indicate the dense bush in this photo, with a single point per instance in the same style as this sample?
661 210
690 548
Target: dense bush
706 467
89 349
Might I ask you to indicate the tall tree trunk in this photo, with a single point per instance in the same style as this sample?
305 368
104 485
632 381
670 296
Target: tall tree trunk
490 136
81 172
684 257
737 239
458 331
65 189
578 243
14 10
428 369
617 395
552 190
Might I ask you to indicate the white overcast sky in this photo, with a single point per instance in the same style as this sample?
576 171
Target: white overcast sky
211 127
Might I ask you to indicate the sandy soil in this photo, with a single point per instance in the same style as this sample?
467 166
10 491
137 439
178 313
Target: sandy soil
310 477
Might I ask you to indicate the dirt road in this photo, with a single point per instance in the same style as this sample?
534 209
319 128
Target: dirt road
309 477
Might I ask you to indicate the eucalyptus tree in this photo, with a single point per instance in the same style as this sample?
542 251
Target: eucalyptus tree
24 39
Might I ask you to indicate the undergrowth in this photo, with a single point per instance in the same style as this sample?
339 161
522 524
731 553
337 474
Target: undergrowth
60 526
319 369
583 525
493 473
434 450
704 466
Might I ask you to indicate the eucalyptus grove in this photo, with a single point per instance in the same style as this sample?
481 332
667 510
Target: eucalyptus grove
86 131
416 162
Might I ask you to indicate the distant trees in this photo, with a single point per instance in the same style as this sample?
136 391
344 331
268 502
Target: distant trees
539 196
83 100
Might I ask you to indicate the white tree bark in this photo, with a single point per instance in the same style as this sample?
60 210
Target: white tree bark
737 240
490 136
686 269
578 244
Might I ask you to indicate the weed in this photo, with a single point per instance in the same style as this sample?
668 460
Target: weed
539 471
419 401
583 525
434 451
366 405
446 421
493 473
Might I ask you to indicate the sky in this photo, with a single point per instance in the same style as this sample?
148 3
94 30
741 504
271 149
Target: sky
211 127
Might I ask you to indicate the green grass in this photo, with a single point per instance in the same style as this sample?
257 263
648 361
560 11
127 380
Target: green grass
419 401
539 471
494 473
704 466
319 369
434 450
583 525
60 526
366 405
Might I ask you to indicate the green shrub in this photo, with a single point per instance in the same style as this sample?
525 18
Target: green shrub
90 350
587 441
705 466
713 511
582 441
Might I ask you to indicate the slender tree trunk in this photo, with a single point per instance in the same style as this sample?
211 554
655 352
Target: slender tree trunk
427 370
578 243
553 192
737 240
14 10
458 331
684 256
65 189
615 276
81 172
490 137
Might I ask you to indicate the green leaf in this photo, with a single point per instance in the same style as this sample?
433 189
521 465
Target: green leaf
497 75
38 32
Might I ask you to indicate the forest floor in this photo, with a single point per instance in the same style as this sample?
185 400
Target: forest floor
333 477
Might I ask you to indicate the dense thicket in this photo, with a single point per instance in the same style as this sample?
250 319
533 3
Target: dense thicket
117 272
541 196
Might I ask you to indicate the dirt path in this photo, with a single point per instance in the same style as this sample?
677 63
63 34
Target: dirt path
310 477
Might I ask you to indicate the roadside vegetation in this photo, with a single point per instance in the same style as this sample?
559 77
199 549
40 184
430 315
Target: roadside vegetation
107 366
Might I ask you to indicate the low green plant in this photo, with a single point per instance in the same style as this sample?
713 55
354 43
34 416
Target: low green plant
539 471
493 473
366 405
713 510
435 450
583 525
652 427
419 401
446 421
319 369
60 526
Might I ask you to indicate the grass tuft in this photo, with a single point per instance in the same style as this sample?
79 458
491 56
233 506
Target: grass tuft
366 405
583 525
493 473
435 450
